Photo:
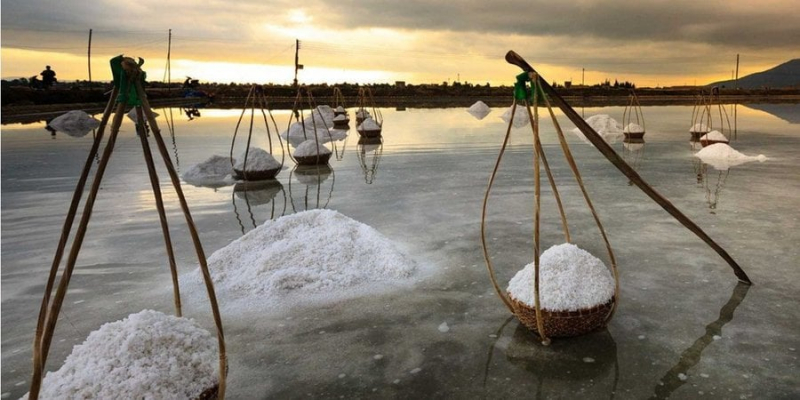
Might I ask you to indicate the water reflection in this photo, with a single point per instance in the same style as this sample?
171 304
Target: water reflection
691 356
312 193
633 153
170 120
370 151
257 193
714 182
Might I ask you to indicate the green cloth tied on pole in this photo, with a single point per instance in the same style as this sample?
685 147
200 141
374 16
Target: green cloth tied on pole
522 92
122 68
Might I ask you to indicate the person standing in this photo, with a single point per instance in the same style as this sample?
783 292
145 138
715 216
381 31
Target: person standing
48 77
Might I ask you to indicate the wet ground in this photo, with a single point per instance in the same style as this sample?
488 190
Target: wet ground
684 328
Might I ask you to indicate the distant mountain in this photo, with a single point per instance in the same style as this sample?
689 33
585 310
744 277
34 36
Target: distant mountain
784 75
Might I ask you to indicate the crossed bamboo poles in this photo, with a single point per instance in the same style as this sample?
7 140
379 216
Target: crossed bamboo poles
131 81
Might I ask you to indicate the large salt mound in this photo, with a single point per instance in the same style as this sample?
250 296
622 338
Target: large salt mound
569 279
75 123
148 355
211 172
633 128
722 156
310 148
520 116
257 160
608 128
311 252
369 124
479 110
716 136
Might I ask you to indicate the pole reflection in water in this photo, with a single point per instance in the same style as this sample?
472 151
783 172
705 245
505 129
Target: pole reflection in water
633 153
370 151
713 189
691 356
257 193
170 119
312 178
582 358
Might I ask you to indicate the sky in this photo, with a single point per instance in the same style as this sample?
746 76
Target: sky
651 43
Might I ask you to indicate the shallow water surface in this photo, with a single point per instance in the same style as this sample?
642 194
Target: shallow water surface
684 327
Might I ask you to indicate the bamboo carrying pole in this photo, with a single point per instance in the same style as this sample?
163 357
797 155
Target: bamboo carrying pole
49 311
620 164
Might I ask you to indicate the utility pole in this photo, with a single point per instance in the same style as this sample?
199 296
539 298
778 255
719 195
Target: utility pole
169 68
297 64
736 84
583 75
89 56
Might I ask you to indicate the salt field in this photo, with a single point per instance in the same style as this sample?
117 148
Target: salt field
428 325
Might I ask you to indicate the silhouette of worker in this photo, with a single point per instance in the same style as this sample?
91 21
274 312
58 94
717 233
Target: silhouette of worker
48 77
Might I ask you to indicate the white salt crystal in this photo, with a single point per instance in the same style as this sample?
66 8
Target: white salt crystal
569 279
146 355
342 376
377 356
369 124
641 337
396 381
716 136
479 110
209 172
415 370
682 376
521 117
704 375
633 128
310 148
75 123
257 160
588 360
722 156
443 327
717 337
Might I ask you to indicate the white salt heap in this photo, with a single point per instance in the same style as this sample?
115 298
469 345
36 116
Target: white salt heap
479 110
298 133
135 118
715 136
520 116
340 118
257 160
362 114
608 128
212 171
310 148
633 128
311 252
340 109
75 123
569 279
148 355
369 124
698 128
722 156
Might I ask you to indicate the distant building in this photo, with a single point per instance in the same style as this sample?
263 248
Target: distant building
567 84
400 83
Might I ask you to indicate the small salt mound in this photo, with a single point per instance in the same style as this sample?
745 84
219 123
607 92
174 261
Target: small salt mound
75 123
148 355
369 124
715 136
362 114
520 116
257 160
298 134
133 117
212 171
698 128
340 109
569 279
340 118
310 148
479 110
317 251
608 128
722 156
633 128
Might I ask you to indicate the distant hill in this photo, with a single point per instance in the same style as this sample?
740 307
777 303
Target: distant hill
782 76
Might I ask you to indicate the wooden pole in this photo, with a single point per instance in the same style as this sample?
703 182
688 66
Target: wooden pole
736 84
296 60
89 56
169 67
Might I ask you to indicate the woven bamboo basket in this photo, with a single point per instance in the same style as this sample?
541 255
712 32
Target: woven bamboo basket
341 124
369 133
319 159
710 142
256 175
564 323
634 135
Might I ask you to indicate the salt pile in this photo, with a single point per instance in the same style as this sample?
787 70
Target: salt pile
369 124
257 160
75 123
340 118
569 279
479 110
722 156
633 128
298 133
714 136
608 128
362 114
135 118
148 355
310 148
696 128
520 116
311 252
211 172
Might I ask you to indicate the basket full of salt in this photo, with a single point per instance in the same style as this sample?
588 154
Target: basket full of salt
312 152
256 164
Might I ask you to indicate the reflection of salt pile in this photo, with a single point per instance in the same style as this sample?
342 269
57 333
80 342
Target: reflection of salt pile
633 128
520 116
311 252
299 133
74 123
713 137
211 172
699 128
569 279
312 153
479 110
722 156
608 128
135 118
148 355
260 165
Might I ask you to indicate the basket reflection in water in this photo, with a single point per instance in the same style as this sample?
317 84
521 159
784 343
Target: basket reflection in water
312 178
